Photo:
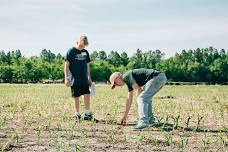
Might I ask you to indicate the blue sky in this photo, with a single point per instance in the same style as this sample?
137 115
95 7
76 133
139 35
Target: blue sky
119 25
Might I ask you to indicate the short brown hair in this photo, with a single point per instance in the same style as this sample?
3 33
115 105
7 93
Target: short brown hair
84 39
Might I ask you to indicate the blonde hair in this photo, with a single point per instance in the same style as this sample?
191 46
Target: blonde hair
84 39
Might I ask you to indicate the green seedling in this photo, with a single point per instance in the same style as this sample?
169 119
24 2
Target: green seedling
84 137
2 121
15 135
111 138
169 139
199 119
187 122
184 142
59 126
206 141
166 122
76 148
38 134
176 122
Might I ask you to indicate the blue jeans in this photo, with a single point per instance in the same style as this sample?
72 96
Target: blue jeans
144 100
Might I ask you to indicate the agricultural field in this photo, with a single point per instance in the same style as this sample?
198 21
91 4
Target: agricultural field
39 117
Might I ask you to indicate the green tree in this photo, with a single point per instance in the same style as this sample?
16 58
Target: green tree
114 58
102 55
124 59
94 56
101 70
47 55
136 61
6 74
3 59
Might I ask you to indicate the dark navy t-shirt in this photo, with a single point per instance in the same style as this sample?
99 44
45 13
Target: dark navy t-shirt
78 60
139 76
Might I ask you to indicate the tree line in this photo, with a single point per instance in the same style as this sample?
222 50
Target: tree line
198 65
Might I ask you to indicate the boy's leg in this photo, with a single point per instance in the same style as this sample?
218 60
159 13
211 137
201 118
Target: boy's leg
143 105
150 113
76 109
144 99
76 104
88 113
76 96
87 102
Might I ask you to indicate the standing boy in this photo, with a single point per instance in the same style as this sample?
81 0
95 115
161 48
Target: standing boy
77 76
146 83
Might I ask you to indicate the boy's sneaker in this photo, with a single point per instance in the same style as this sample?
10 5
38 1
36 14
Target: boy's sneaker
90 117
141 126
152 120
77 117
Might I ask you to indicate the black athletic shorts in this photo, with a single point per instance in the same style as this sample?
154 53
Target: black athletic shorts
77 91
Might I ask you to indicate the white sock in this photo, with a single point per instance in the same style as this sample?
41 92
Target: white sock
76 113
88 112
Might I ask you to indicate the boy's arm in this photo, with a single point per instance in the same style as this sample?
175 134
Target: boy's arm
66 71
89 76
128 106
138 90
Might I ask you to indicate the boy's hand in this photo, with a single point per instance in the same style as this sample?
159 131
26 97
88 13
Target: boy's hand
67 82
122 121
90 82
